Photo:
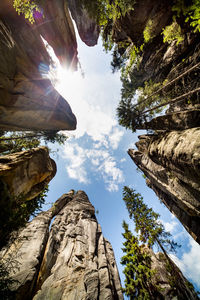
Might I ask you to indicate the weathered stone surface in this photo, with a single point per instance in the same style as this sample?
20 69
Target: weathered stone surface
72 262
175 121
87 27
171 163
170 280
158 59
27 251
78 262
28 172
27 99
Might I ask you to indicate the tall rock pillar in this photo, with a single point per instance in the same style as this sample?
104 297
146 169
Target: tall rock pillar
77 261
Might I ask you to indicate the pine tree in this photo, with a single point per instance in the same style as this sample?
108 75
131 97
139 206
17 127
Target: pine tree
20 141
150 231
137 269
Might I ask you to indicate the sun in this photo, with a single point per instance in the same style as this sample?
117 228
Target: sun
69 83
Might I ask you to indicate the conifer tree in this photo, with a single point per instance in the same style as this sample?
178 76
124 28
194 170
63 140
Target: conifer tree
150 231
137 269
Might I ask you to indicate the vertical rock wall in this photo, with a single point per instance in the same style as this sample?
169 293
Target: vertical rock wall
171 164
169 279
72 261
28 101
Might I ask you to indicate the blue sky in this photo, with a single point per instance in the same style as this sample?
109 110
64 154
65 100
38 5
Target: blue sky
95 159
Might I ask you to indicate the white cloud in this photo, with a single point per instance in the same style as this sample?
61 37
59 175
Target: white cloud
170 226
93 100
94 160
115 137
122 160
77 157
189 262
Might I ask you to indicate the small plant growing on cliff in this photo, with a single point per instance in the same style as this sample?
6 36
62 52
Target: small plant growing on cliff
148 32
172 33
191 12
27 8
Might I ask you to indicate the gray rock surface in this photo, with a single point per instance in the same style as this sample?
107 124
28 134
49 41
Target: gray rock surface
170 161
72 261
169 279
26 252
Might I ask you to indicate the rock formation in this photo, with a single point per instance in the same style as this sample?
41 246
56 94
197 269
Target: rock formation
87 27
169 279
170 161
28 172
28 99
72 261
169 157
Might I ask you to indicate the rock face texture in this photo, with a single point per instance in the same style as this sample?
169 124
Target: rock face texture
170 157
28 172
169 279
72 261
158 59
170 161
87 27
27 99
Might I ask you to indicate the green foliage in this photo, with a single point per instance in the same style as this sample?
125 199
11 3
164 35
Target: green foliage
135 100
190 10
27 8
138 272
148 32
140 282
106 10
172 33
7 266
20 141
16 211
150 230
128 117
54 137
146 97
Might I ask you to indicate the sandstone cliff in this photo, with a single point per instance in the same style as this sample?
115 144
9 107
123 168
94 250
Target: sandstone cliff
169 157
72 261
28 172
27 99
170 161
169 279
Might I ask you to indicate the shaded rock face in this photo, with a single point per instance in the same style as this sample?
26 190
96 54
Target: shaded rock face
72 261
27 99
158 59
28 172
171 162
169 279
87 27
